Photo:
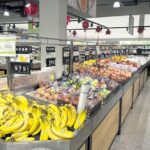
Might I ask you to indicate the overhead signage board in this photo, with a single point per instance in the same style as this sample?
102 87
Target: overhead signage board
87 7
7 45
131 25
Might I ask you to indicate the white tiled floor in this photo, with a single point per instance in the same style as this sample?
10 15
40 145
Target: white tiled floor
135 134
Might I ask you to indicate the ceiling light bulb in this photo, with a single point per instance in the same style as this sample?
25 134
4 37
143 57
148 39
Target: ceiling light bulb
116 4
28 5
6 13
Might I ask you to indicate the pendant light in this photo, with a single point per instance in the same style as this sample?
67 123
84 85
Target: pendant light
116 4
6 12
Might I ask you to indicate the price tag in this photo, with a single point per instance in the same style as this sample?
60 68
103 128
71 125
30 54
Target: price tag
66 60
21 68
66 49
50 49
23 49
76 58
50 62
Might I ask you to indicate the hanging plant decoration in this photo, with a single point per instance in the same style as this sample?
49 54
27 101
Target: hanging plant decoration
108 31
74 33
85 25
98 29
68 19
140 29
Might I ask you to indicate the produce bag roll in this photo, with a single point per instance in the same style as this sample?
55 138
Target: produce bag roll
83 97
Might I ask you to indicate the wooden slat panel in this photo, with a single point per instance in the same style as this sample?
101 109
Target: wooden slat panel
136 89
83 147
107 130
2 72
126 103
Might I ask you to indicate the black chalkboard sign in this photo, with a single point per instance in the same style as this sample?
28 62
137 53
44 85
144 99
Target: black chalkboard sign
50 49
66 55
21 68
50 62
75 58
23 49
66 60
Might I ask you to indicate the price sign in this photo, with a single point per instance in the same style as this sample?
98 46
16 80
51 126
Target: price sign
23 49
50 49
8 45
76 58
50 62
21 68
66 60
66 55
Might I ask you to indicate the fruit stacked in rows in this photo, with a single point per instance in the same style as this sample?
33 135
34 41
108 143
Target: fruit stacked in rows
23 120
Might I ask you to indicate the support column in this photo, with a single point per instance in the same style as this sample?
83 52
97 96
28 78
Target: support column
53 25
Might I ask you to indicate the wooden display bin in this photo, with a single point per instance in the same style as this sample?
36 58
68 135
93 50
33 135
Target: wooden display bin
136 89
83 147
2 73
126 103
105 133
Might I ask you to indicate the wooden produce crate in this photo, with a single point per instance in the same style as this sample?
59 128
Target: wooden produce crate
2 73
136 89
105 133
126 103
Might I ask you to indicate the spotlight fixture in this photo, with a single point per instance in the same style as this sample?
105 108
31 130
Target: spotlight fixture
27 5
116 4
91 24
6 13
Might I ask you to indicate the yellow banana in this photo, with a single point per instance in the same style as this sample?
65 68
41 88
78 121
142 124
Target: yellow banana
25 125
55 108
12 129
37 131
51 135
74 116
35 126
8 123
62 133
63 117
22 101
80 119
21 134
44 134
57 119
69 116
28 139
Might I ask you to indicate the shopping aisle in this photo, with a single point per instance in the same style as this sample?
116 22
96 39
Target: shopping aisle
135 133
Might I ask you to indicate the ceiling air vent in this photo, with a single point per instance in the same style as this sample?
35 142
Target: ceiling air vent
129 2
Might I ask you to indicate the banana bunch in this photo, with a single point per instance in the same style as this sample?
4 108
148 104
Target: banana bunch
21 120
89 62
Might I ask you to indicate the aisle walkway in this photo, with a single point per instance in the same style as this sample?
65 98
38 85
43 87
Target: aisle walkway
135 133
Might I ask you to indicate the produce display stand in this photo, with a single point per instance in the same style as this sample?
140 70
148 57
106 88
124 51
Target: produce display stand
102 127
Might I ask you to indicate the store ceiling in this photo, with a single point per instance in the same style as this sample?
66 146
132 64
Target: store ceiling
134 7
104 8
